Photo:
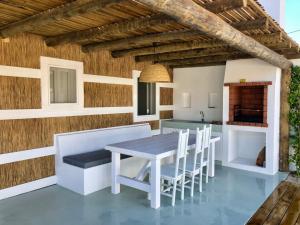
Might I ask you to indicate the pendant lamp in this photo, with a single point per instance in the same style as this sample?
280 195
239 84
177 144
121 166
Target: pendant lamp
155 73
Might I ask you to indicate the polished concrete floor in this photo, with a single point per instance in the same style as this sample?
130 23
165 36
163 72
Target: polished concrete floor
229 199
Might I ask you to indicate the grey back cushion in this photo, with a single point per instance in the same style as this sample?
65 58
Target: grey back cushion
90 159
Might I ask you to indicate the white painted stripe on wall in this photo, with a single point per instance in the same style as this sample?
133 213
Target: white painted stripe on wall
36 73
20 72
107 79
166 107
27 154
27 187
43 113
167 85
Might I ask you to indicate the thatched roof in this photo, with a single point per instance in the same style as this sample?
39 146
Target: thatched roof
132 25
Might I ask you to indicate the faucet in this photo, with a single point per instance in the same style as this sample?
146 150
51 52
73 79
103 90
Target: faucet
202 115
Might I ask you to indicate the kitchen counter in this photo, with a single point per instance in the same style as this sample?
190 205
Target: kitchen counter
190 124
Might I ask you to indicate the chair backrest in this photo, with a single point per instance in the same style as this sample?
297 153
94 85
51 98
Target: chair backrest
199 148
199 141
207 136
182 150
182 143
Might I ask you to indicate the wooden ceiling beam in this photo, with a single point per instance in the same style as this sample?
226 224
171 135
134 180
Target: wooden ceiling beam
196 44
174 47
111 29
261 23
191 14
198 65
292 56
196 53
201 60
141 40
219 6
65 11
127 43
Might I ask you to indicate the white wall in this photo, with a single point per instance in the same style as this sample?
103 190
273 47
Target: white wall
199 82
276 9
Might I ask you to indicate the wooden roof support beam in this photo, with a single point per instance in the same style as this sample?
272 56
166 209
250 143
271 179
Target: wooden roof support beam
196 44
163 37
207 59
111 29
292 56
268 38
55 14
218 6
174 47
284 120
193 15
196 53
141 40
199 65
262 23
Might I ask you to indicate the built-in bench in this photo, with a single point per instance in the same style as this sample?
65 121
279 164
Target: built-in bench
90 159
82 164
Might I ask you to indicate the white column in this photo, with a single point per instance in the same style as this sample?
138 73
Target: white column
115 172
155 183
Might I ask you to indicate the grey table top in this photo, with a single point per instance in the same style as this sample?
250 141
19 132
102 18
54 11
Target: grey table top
158 146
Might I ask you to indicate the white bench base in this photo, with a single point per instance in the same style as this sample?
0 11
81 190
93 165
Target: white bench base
87 181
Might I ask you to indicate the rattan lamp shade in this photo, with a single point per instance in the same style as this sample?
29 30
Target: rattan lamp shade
154 74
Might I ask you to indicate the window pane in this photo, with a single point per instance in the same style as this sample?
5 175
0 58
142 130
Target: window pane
146 98
62 85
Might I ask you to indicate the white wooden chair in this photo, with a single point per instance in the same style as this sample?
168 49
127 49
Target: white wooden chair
174 174
199 159
206 143
195 162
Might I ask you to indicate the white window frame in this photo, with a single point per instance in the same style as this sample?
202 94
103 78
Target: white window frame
46 64
143 118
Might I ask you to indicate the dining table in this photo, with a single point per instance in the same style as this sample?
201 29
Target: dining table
154 149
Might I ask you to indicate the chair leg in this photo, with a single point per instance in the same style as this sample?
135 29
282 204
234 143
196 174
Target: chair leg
206 180
174 193
182 187
200 179
192 185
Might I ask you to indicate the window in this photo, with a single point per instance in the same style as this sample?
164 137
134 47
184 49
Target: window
146 99
62 85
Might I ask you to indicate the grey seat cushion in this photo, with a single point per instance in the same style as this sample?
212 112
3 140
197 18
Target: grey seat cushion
90 159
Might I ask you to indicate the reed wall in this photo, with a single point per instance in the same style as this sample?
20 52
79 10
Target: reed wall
18 135
25 50
20 93
107 95
167 114
21 172
166 96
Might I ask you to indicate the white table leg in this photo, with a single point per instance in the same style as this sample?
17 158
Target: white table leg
115 172
155 183
211 165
